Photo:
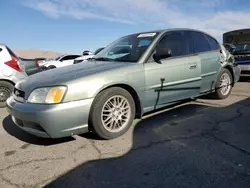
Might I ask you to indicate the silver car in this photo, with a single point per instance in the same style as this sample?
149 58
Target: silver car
133 75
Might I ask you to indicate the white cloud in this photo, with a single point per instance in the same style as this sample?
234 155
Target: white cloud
211 16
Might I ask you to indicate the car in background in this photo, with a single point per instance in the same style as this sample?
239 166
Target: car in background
105 94
60 61
229 47
87 55
11 71
31 66
238 42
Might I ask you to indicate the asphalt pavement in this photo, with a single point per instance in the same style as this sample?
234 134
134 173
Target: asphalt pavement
199 144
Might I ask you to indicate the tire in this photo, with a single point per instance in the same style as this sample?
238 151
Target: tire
6 89
219 94
51 67
97 119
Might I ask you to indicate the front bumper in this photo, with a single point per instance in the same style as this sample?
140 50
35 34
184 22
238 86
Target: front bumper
54 121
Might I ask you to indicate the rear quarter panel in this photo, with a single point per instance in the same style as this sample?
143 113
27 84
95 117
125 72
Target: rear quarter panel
210 68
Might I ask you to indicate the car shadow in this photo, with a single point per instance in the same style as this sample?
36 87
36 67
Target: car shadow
15 131
245 79
174 148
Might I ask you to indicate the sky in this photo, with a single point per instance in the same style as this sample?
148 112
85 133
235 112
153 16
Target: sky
72 26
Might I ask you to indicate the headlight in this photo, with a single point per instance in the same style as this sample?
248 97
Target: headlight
48 95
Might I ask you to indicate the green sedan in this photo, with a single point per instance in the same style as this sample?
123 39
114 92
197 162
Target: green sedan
134 75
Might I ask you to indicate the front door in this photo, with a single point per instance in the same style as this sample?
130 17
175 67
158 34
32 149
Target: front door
175 78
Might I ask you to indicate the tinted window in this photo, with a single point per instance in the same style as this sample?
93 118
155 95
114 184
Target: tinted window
69 57
178 42
200 42
75 56
1 49
213 43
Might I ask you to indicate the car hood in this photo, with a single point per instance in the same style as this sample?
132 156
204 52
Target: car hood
63 75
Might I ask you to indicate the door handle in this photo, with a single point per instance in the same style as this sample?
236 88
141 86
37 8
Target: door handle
192 66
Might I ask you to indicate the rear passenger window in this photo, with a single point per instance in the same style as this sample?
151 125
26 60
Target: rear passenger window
201 43
213 43
1 49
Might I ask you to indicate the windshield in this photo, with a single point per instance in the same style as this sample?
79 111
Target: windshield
127 49
242 47
58 58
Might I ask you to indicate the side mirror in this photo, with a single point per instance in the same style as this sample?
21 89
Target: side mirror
162 53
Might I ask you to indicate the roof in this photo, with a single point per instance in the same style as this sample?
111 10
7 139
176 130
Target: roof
170 29
238 30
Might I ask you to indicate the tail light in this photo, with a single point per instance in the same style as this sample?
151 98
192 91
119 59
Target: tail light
37 64
14 63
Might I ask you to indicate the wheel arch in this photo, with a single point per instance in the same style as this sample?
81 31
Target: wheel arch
228 67
133 93
9 81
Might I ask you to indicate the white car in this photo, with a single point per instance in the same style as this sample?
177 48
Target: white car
60 61
11 71
87 55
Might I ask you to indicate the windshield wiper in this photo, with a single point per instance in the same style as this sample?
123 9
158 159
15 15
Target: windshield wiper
101 59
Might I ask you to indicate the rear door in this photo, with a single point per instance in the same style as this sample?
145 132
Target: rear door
177 77
208 50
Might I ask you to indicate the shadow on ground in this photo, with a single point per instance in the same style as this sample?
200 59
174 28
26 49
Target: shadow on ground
192 146
15 131
245 79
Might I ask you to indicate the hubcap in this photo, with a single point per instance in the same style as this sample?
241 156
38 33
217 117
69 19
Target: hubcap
225 84
116 113
4 94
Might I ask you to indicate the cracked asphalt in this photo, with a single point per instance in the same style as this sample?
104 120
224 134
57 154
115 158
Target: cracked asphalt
199 144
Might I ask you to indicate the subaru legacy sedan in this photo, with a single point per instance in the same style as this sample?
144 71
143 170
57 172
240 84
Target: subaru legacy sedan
133 75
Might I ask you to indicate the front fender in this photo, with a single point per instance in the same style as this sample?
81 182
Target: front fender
117 84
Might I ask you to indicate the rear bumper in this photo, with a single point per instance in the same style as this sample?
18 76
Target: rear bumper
245 68
54 121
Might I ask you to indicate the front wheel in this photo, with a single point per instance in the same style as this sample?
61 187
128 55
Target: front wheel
112 113
51 67
223 85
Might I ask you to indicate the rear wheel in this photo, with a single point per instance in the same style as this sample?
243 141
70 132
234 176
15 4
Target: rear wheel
6 89
223 85
112 113
51 67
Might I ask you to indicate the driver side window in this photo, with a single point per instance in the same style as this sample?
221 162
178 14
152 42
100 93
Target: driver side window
177 43
63 59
